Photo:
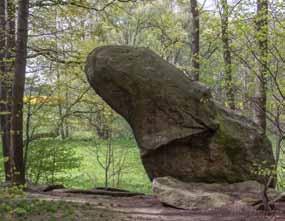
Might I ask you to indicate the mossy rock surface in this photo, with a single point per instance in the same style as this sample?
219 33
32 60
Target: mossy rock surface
180 130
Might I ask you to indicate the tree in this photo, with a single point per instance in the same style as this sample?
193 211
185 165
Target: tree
260 98
195 39
3 91
17 144
227 54
7 68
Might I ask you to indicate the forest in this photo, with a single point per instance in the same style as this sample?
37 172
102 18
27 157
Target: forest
61 130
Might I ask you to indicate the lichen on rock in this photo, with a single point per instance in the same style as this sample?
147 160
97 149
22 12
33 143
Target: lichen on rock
180 130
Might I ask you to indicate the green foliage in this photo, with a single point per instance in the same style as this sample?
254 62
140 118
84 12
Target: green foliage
12 192
49 159
26 209
264 170
91 174
73 162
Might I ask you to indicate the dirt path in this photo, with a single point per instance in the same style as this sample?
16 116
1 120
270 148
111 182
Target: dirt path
107 208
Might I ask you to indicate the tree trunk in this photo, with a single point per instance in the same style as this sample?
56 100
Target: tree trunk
195 39
8 37
17 143
10 69
3 92
28 131
227 55
61 122
262 40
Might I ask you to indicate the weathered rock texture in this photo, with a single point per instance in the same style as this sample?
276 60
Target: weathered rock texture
180 130
209 196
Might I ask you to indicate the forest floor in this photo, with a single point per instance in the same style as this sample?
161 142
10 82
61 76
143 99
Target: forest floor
63 206
58 205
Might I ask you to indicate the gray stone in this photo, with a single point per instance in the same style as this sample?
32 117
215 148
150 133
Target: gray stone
180 130
208 196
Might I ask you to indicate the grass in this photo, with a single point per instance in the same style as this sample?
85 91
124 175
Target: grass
15 205
92 152
91 174
87 150
24 209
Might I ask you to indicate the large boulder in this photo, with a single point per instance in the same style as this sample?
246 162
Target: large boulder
180 130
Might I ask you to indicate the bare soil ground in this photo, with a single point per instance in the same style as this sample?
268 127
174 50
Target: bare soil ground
108 208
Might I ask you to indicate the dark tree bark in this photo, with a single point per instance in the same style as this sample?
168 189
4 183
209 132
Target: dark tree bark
8 45
195 39
11 38
2 43
3 92
17 143
227 54
260 98
10 68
